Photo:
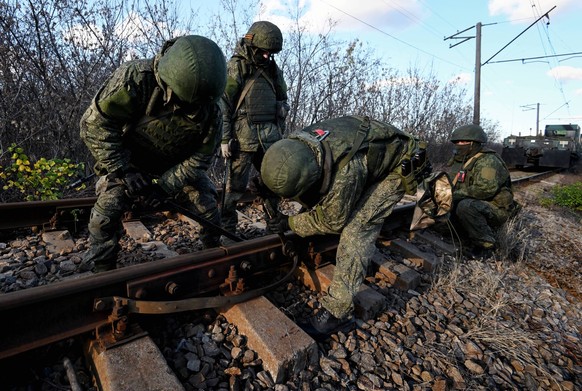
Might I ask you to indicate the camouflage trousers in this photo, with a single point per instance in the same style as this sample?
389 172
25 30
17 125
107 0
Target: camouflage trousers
239 173
357 243
478 220
105 229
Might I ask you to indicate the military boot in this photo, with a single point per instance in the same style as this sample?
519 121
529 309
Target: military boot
481 250
322 324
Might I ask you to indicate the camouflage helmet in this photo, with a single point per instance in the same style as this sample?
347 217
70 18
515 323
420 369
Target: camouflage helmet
266 36
469 133
194 68
290 168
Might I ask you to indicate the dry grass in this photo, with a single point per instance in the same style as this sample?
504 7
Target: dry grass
538 254
499 328
513 239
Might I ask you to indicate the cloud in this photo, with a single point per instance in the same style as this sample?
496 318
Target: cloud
578 91
565 73
350 15
521 9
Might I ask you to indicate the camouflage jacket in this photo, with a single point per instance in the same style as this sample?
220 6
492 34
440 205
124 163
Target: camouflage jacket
128 124
483 176
253 96
379 154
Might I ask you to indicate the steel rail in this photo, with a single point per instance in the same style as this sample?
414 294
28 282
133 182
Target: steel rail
535 176
48 214
39 316
39 213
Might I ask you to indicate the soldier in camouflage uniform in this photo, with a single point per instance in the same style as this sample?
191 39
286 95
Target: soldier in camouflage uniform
254 107
155 120
482 193
348 173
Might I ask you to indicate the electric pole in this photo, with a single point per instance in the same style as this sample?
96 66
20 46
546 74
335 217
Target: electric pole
477 94
477 88
477 36
530 107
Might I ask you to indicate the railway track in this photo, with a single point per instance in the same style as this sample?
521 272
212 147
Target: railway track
101 304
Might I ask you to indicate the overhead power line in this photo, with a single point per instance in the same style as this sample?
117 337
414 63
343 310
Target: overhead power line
387 34
528 27
575 54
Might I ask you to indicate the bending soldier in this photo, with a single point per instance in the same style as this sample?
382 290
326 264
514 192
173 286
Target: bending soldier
155 119
348 173
254 108
482 193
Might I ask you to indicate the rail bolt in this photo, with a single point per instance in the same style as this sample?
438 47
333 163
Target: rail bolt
172 288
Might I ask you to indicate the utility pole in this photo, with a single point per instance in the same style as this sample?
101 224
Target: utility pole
530 107
477 90
538 130
477 93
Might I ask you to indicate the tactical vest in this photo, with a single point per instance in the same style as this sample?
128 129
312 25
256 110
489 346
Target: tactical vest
503 198
386 147
259 93
165 138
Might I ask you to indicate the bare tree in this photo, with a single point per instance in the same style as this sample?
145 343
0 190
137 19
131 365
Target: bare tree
54 55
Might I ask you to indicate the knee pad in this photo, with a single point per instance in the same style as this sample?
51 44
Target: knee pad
101 224
98 219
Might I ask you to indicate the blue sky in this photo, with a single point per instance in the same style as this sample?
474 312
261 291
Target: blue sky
412 32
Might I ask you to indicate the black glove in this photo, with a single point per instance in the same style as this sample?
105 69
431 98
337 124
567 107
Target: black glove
153 196
135 183
278 224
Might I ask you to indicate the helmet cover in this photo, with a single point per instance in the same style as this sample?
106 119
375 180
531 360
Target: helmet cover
194 68
290 168
266 36
469 133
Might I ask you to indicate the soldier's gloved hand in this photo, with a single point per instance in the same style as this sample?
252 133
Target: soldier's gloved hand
282 109
225 150
278 224
155 196
135 182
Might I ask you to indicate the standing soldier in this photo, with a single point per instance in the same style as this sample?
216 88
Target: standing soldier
348 173
254 108
155 119
482 193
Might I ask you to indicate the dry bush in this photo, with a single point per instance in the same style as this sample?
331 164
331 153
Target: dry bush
513 239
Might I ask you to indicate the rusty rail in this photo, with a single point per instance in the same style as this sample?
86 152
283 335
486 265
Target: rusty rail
39 316
55 213
42 315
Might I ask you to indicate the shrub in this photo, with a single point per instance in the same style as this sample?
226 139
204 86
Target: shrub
569 196
42 180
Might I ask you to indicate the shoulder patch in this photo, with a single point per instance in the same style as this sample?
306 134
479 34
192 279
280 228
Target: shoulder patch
488 173
320 134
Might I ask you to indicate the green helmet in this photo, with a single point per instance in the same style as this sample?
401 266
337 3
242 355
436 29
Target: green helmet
469 133
194 68
266 36
289 168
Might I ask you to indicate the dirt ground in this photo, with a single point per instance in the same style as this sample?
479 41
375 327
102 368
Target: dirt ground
552 235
